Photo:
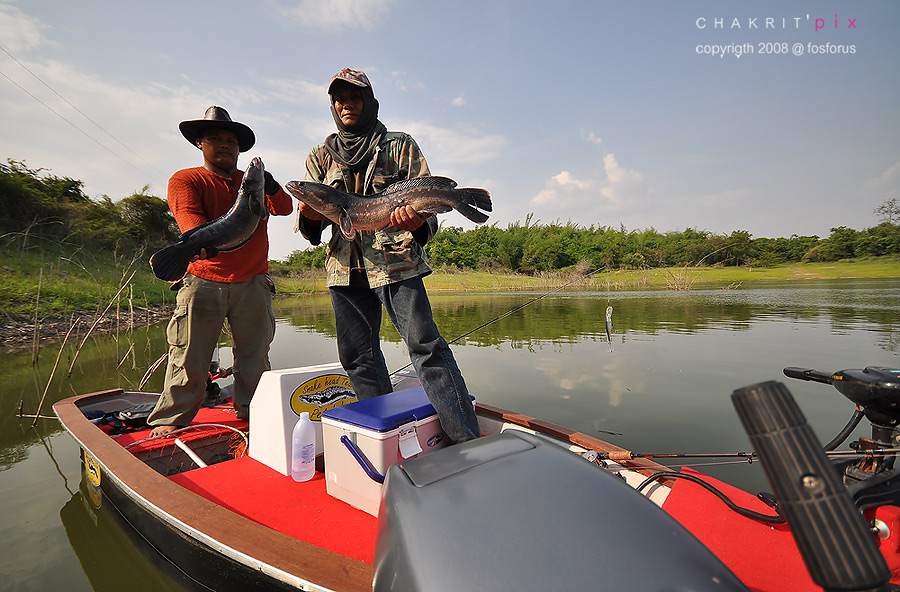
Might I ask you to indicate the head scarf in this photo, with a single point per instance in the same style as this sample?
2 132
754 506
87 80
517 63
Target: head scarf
353 146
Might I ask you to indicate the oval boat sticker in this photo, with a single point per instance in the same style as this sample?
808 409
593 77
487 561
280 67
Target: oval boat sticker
92 469
92 476
318 395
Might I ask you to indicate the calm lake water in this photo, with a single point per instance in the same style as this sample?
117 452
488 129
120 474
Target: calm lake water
665 387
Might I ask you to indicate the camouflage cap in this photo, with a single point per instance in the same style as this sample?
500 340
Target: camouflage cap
355 77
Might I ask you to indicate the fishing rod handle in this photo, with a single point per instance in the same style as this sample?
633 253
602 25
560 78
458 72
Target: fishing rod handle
839 551
808 374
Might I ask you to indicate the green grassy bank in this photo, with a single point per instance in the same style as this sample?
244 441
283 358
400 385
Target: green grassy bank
58 284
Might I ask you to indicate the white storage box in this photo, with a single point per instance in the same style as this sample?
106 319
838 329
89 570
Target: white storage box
383 430
280 397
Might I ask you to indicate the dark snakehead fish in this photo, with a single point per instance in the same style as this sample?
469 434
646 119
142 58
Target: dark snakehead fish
226 233
427 195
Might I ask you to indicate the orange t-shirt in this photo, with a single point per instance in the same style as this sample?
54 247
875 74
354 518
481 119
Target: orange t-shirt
197 196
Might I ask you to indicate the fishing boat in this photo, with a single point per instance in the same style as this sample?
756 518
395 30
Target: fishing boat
529 506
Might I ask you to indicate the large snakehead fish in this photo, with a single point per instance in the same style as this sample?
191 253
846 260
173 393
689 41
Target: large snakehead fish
427 195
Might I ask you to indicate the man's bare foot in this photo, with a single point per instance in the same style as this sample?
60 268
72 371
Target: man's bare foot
162 430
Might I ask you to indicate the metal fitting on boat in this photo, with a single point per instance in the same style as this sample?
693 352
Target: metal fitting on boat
881 529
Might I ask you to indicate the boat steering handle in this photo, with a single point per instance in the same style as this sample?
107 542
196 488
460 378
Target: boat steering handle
839 551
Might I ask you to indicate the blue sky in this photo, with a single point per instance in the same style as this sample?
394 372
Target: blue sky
592 112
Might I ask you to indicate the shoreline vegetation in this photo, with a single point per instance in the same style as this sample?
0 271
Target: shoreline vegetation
141 301
69 261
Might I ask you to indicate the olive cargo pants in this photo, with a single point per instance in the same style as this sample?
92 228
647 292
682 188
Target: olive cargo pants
201 308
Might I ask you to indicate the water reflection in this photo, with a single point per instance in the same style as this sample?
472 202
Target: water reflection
112 555
102 362
550 357
678 357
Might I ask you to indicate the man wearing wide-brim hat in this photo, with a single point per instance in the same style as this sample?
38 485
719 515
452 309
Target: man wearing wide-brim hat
233 285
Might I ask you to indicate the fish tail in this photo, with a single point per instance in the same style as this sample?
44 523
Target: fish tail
479 198
169 264
474 200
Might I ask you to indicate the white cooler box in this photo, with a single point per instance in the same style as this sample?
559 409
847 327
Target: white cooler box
383 430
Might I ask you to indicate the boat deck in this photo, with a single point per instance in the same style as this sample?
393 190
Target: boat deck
301 510
257 492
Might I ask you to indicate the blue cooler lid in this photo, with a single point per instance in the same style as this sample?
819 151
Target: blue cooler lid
386 412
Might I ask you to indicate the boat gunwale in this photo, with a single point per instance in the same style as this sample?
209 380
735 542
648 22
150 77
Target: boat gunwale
643 466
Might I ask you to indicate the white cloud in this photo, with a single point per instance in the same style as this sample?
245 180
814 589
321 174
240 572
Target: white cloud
565 179
586 196
592 138
621 182
18 31
339 15
888 180
463 144
299 92
458 101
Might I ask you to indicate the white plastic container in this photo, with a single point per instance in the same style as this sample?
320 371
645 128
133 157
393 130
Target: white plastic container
303 449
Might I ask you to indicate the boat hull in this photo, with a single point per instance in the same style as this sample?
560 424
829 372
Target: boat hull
208 542
224 550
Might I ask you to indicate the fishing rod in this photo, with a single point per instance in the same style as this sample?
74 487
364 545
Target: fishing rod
626 455
517 309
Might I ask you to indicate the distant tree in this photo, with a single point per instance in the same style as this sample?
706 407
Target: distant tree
308 258
739 248
889 210
148 218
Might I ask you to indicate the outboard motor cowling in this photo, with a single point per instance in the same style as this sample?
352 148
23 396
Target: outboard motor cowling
518 512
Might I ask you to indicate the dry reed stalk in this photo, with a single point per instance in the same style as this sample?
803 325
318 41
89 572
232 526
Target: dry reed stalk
152 369
97 322
53 372
122 361
131 326
118 306
36 339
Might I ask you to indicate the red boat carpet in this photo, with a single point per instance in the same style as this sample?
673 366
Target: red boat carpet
764 557
302 510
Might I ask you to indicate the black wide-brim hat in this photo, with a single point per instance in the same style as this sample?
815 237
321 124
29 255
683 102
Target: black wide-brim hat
217 118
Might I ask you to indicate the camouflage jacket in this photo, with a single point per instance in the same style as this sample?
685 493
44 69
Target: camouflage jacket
388 255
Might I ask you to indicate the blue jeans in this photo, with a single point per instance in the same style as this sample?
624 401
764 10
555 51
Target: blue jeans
357 314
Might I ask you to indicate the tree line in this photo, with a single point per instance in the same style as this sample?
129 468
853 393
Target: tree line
534 248
36 207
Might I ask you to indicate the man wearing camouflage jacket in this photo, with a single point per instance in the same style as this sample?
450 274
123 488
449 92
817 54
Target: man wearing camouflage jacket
382 267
